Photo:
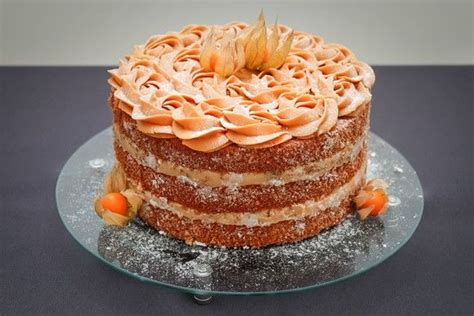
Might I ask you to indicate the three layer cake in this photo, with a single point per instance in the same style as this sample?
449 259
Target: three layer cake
237 135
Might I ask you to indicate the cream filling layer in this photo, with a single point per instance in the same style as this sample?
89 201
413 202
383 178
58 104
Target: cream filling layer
209 178
296 212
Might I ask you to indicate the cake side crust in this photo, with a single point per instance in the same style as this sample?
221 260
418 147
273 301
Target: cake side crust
312 171
241 236
250 198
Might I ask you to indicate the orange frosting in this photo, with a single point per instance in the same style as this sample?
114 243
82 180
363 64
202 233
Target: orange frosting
163 86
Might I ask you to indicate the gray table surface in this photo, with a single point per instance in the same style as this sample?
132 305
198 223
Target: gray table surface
46 113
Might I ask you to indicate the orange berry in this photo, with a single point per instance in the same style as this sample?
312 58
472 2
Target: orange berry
377 200
115 202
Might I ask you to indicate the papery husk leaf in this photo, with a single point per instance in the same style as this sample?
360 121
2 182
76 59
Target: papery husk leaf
115 181
376 184
98 207
260 46
272 44
111 218
384 208
224 64
208 49
279 56
240 53
134 200
362 197
255 42
365 212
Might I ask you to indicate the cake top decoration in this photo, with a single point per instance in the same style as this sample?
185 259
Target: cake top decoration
253 86
252 49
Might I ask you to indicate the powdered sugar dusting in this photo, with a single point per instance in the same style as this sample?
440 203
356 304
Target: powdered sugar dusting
156 256
150 161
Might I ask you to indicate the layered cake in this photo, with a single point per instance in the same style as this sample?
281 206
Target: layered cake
237 135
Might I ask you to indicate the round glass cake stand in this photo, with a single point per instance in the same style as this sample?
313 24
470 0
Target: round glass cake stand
342 252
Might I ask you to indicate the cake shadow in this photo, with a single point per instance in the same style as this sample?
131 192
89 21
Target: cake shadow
335 253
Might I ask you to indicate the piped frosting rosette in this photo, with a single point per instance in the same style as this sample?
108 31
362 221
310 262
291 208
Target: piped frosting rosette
306 115
164 87
253 126
199 130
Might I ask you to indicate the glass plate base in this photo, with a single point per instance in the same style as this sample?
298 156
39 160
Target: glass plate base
344 251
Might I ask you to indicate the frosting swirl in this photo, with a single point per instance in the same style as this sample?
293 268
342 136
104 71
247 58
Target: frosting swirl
307 115
253 126
199 130
163 86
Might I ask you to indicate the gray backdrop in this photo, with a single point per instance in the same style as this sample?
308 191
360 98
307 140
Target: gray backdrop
46 113
99 32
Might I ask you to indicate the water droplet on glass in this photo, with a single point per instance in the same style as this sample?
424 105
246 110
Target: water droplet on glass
97 163
393 221
202 270
393 201
373 154
397 169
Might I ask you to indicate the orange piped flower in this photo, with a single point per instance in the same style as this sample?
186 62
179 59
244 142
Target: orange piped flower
372 199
